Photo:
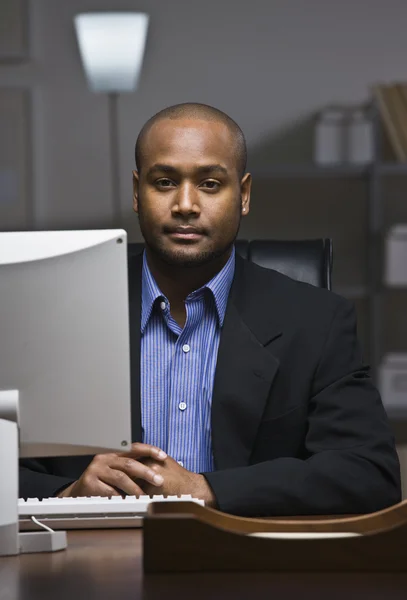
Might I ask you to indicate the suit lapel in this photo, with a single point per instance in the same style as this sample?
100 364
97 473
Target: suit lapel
245 371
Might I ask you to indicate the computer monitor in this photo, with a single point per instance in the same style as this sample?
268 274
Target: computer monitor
64 351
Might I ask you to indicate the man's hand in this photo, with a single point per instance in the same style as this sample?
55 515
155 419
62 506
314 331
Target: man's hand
115 473
178 481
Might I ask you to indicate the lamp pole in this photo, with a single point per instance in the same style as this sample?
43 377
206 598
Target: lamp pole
112 99
111 45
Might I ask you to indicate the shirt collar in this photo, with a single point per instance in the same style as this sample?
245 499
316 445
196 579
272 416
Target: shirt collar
218 285
149 293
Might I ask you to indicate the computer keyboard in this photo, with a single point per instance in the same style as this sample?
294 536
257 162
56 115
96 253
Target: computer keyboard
90 512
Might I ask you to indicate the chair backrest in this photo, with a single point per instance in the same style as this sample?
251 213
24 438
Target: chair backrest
305 260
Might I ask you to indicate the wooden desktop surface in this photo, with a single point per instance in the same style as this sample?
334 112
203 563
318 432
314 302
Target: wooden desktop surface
107 564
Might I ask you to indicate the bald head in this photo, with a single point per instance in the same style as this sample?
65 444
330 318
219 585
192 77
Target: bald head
201 112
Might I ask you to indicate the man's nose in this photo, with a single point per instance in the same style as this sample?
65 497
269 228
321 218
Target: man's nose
187 199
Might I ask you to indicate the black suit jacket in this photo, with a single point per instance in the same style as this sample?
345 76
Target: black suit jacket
297 425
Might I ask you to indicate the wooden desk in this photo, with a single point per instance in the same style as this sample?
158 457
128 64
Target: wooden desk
101 565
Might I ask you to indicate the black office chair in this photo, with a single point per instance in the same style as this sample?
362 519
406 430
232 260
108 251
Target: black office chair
305 260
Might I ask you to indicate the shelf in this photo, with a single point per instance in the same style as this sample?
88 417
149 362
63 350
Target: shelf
393 169
352 292
309 170
396 413
394 288
355 292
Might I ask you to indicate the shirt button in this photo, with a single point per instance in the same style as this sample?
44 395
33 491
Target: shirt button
186 348
181 464
163 306
182 406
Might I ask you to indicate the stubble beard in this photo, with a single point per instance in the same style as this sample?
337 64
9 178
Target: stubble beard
180 258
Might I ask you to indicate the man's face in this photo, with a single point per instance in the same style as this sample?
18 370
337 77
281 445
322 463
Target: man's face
188 195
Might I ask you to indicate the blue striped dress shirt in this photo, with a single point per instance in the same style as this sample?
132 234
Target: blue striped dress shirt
178 368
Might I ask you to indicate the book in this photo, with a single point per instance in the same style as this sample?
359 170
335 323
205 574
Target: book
399 106
391 111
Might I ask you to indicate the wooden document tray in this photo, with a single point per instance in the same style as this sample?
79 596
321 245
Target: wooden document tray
188 537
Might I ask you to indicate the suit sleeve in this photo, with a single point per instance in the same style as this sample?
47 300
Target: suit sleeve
36 480
352 465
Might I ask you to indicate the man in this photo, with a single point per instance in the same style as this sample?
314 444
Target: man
248 388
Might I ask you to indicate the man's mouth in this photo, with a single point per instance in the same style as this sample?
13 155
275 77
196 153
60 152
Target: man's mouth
185 233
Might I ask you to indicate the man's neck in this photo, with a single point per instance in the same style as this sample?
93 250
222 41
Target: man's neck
177 282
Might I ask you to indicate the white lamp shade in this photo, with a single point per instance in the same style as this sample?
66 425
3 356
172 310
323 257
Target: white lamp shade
112 49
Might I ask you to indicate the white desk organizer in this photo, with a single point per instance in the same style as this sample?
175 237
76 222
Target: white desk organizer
395 271
393 383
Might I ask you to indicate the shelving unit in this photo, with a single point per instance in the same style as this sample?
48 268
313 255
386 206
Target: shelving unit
373 174
305 171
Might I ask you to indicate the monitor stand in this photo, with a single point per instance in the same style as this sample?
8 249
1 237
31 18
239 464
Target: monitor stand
11 541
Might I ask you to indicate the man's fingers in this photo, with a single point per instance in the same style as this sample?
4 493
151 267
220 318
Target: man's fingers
106 490
139 450
121 481
89 487
137 470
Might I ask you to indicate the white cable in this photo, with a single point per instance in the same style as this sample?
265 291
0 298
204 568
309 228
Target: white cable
42 525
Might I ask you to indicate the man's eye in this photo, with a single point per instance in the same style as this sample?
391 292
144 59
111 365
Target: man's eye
211 185
164 182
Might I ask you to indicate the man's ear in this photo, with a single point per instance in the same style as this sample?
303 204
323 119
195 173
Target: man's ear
135 190
245 190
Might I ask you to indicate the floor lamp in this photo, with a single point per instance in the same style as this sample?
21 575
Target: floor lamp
112 46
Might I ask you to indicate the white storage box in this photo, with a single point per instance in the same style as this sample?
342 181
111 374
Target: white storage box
395 271
393 383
